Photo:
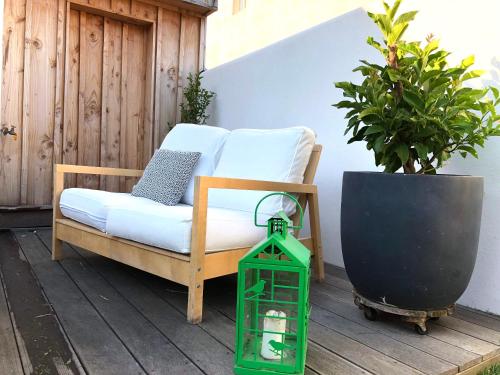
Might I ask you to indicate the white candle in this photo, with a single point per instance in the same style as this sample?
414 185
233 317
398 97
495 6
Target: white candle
274 321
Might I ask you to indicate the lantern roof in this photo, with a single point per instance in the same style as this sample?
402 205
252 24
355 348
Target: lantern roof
272 249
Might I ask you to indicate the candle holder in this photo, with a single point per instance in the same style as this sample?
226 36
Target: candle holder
273 301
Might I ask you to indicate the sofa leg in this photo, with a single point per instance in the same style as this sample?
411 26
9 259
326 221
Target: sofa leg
57 253
195 303
319 267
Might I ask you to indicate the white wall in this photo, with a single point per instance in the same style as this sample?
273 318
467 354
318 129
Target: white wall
291 83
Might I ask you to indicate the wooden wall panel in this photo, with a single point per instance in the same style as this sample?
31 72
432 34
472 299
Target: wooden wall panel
133 90
71 94
111 101
143 10
38 101
120 6
12 101
167 72
62 10
189 48
96 83
90 104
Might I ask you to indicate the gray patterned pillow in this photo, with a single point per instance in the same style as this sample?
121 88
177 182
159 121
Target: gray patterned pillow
166 176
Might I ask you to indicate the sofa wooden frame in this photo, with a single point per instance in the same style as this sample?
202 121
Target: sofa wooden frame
187 269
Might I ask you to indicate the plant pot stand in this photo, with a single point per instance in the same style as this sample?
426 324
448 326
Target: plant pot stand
417 317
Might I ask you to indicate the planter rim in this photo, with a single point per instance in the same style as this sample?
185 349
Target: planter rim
448 175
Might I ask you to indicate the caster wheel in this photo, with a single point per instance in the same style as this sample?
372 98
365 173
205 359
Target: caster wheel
357 301
421 330
370 313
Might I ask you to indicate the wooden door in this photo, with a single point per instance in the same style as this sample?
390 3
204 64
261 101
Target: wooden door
78 84
108 95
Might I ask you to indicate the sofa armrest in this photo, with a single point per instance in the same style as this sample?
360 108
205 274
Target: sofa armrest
61 169
83 169
207 182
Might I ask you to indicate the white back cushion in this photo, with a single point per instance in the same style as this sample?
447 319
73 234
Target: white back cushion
199 138
273 155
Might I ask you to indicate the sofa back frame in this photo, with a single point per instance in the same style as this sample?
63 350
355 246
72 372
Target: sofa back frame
187 269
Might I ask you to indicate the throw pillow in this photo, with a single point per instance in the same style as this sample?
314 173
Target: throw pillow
166 176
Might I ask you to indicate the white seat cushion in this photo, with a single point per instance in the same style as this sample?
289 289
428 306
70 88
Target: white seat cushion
90 206
274 155
169 227
197 138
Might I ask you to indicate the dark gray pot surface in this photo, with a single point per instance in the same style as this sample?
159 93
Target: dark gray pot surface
410 240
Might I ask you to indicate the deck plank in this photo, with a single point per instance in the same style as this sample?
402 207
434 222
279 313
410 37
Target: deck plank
148 346
39 338
478 317
10 360
207 353
471 329
450 336
396 330
143 316
95 343
358 354
222 327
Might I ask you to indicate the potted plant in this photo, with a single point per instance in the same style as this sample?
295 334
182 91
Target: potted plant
410 239
196 100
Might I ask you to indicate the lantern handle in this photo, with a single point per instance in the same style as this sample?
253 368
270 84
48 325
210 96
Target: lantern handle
281 213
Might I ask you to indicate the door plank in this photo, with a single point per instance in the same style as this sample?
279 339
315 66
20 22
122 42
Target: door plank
132 110
39 102
188 54
111 102
71 95
90 104
60 66
167 72
95 343
14 22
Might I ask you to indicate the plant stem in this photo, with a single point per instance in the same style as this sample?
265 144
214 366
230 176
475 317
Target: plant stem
392 60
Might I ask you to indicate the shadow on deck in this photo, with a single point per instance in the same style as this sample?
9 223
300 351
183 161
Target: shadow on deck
103 317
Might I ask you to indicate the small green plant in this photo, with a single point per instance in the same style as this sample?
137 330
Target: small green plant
415 109
493 370
196 100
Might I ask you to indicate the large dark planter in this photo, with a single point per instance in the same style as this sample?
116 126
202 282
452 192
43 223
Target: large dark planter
410 240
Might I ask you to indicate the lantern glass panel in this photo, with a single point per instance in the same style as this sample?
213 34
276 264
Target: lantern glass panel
271 308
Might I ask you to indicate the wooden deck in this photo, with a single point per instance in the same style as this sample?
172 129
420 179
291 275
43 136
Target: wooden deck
106 318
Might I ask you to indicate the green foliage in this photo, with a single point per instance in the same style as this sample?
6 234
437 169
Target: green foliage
196 101
493 370
415 109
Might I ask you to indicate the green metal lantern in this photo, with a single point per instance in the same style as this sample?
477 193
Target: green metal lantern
273 301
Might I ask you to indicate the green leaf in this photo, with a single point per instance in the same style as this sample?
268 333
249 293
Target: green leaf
372 42
472 74
394 9
468 61
374 129
368 111
422 150
495 92
402 152
468 149
406 17
414 100
431 46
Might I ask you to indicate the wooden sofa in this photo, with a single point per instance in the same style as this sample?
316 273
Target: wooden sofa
188 269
